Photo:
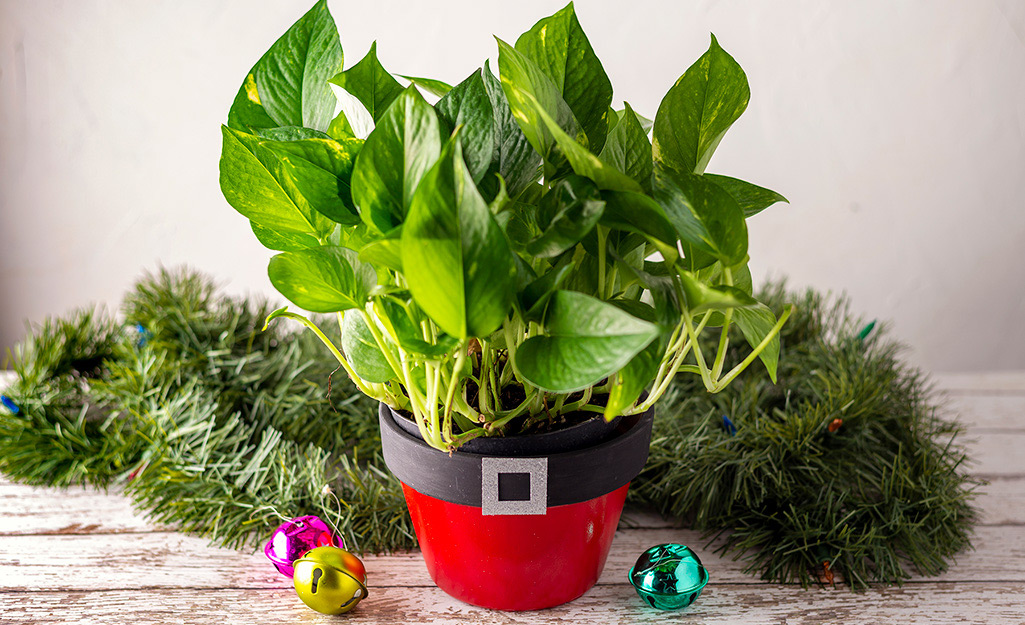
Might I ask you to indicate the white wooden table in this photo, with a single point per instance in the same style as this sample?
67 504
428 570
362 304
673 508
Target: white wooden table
83 556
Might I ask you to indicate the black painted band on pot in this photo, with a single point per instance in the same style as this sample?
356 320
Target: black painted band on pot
572 476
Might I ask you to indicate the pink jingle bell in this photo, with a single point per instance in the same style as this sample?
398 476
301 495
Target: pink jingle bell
294 538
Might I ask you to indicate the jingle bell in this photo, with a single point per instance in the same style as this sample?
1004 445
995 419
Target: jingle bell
669 577
330 580
294 538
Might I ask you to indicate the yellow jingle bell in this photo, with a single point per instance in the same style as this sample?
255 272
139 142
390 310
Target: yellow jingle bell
330 580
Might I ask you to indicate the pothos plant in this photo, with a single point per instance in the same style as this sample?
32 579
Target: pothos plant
517 252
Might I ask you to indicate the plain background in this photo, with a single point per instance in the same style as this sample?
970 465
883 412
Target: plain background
894 128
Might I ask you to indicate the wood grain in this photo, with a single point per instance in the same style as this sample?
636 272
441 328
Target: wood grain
981 382
720 604
165 559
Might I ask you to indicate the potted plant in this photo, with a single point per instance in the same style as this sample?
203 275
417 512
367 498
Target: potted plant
518 272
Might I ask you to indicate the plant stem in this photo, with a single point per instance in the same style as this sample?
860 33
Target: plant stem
693 341
452 383
484 378
724 342
360 384
756 351
724 333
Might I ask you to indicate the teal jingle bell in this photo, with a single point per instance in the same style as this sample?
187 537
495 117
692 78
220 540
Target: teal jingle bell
669 577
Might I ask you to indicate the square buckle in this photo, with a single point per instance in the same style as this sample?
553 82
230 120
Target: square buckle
514 486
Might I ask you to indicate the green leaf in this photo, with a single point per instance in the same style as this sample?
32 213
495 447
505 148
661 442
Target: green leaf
535 295
353 118
530 93
570 209
468 107
407 330
701 297
559 47
634 308
632 379
646 124
751 198
289 133
586 341
628 149
456 260
282 241
698 110
352 237
362 351
580 159
321 170
437 87
707 219
255 183
288 85
396 155
636 212
340 127
756 323
513 158
383 253
370 83
322 279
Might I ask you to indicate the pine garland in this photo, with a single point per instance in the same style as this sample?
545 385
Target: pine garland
844 466
223 430
209 423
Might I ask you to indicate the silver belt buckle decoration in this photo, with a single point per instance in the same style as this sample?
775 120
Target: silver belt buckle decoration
514 486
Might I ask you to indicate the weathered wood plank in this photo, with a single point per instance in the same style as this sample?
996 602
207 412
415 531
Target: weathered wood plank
995 454
987 412
1001 501
74 510
721 603
169 560
981 382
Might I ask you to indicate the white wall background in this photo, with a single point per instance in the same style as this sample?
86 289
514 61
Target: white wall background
895 128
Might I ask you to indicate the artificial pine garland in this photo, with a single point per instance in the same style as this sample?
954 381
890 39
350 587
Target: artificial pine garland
211 425
844 466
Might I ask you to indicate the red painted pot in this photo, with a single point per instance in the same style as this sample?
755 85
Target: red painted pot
517 532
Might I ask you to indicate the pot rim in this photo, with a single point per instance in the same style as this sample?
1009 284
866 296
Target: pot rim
556 478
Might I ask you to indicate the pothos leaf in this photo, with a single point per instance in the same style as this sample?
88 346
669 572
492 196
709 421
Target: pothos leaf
468 107
456 260
321 170
362 351
254 182
707 219
628 149
585 341
431 85
282 241
288 85
403 146
322 279
558 46
370 83
698 110
531 92
513 157
756 322
751 198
